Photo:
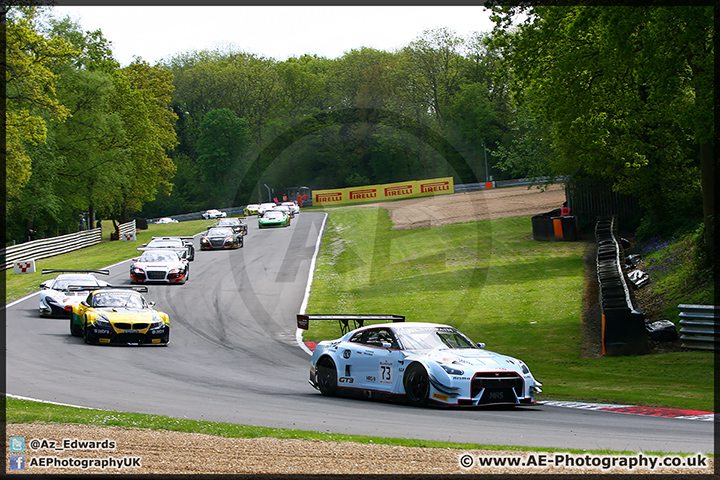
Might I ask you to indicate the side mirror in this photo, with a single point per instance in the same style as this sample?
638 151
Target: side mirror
151 304
44 284
481 345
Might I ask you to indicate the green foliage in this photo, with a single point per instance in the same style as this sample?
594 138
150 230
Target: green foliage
625 93
679 271
84 137
29 91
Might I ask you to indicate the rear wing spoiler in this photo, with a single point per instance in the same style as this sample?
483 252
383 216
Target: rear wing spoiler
174 249
184 239
101 272
358 321
87 288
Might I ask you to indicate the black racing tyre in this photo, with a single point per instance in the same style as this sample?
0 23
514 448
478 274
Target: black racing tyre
86 336
75 331
326 377
417 385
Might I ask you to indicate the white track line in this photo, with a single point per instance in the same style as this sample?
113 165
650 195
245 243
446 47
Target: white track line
311 274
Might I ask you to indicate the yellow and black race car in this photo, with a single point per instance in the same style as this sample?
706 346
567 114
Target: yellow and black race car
116 315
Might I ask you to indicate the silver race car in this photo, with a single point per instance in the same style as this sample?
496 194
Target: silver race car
419 362
160 265
55 295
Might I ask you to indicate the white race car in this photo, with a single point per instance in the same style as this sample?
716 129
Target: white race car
55 295
209 214
160 265
420 362
293 206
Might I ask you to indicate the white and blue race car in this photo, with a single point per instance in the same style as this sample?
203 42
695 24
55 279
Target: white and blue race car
55 294
420 362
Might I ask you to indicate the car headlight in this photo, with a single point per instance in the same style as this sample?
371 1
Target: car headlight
524 367
157 323
102 322
451 371
204 240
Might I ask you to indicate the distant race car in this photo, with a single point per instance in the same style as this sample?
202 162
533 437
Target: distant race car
116 315
234 223
55 296
420 362
160 265
294 207
165 220
251 209
283 208
274 218
181 244
209 214
264 207
220 238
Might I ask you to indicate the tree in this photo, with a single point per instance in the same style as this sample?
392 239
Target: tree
141 99
627 95
30 98
222 139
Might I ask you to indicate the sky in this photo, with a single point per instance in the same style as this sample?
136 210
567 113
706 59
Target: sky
160 32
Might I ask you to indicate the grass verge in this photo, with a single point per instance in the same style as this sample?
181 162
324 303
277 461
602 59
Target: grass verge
494 282
25 411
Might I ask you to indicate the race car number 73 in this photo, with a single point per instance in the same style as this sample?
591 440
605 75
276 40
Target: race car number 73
386 371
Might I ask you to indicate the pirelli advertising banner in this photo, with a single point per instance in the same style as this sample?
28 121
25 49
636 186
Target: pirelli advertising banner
388 191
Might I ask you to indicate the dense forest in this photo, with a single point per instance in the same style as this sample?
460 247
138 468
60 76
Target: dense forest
620 94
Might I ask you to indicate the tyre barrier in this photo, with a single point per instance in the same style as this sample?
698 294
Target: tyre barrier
698 327
623 324
551 226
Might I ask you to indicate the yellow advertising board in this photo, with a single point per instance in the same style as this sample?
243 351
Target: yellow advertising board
387 191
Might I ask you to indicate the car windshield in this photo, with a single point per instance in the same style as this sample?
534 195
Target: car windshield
228 221
117 300
219 232
164 244
165 257
62 283
274 214
430 338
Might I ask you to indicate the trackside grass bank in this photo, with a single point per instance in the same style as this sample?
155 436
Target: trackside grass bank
24 411
494 282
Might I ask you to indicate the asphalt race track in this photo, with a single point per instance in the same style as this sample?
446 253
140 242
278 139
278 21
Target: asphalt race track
233 358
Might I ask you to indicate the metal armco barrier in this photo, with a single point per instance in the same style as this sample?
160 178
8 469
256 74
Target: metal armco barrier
699 326
623 324
49 247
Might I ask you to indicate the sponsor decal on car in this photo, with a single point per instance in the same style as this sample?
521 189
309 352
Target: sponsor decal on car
443 398
386 367
346 380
